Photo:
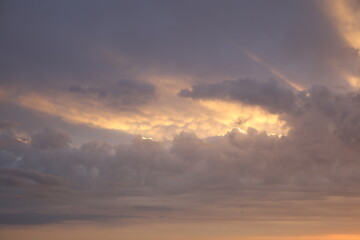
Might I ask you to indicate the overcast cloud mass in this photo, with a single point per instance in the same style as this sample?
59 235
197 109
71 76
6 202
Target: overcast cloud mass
180 119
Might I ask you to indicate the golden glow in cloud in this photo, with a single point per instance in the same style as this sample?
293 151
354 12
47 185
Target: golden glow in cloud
164 117
205 118
345 15
352 79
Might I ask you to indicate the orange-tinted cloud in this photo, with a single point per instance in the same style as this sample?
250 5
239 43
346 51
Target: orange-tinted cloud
345 16
162 118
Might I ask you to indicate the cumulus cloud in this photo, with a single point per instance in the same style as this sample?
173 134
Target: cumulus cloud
50 139
339 111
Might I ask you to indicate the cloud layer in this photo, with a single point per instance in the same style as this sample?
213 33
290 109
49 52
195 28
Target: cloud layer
317 159
73 73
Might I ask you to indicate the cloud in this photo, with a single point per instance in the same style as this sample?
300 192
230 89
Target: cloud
6 125
269 94
317 155
70 67
31 121
316 144
102 41
121 95
103 51
338 110
342 109
315 160
23 177
50 139
36 218
148 208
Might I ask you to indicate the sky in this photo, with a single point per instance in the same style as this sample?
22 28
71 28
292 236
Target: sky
169 119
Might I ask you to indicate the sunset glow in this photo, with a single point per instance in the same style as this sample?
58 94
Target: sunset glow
180 120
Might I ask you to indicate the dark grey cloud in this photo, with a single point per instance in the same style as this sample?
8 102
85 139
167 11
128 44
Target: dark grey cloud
270 94
342 110
23 177
50 139
120 95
